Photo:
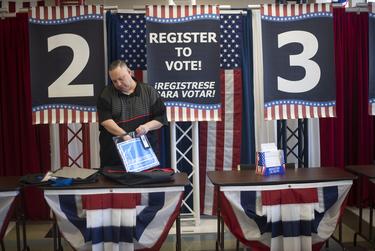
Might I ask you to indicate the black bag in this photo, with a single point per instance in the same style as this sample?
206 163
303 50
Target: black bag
120 175
35 179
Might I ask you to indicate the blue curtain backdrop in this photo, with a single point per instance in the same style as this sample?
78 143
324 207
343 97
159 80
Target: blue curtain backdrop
248 133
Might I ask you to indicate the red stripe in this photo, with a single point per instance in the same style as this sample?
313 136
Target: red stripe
334 111
45 13
94 9
316 9
273 112
190 114
179 114
312 112
179 11
212 114
202 9
81 117
63 144
307 8
147 11
196 114
25 4
171 13
172 113
62 15
41 116
186 11
210 9
220 113
86 9
265 113
86 145
300 9
292 10
104 201
237 119
285 9
194 10
289 196
34 117
70 12
296 111
138 74
53 13
155 11
277 7
202 162
134 118
37 13
49 116
320 115
220 127
162 11
57 116
303 115
78 10
65 116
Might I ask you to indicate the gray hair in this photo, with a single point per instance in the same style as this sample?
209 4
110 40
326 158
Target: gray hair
117 63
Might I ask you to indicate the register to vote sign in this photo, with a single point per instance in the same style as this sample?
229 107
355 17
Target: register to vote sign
183 56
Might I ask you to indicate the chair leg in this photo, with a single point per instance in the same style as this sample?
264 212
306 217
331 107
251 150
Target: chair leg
237 245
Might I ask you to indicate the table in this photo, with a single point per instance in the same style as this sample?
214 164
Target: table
9 191
363 171
295 211
109 216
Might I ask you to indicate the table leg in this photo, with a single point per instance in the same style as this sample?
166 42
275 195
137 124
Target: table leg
218 219
18 220
2 245
178 233
25 247
359 204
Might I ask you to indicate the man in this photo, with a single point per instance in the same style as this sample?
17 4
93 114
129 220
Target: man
126 106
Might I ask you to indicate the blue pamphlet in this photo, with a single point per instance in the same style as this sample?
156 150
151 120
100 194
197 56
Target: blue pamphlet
137 156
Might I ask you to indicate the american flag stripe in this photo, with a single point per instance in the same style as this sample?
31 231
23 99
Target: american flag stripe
222 139
162 11
61 12
49 116
282 10
246 210
290 111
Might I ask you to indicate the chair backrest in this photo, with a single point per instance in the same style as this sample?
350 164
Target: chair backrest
242 167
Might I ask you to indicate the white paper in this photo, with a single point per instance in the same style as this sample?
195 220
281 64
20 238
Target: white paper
268 147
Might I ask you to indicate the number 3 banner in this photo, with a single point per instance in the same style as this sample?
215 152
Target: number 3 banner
298 61
67 63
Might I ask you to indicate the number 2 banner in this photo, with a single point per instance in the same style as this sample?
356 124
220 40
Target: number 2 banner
298 61
67 63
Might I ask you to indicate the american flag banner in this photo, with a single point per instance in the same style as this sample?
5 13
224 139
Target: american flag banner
66 63
371 37
220 142
298 61
293 217
120 219
6 203
183 60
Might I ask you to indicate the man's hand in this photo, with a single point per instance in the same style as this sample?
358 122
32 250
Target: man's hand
141 130
126 137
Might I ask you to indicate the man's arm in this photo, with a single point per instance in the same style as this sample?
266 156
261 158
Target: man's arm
111 126
149 126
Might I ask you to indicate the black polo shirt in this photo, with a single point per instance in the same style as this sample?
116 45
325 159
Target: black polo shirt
129 112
